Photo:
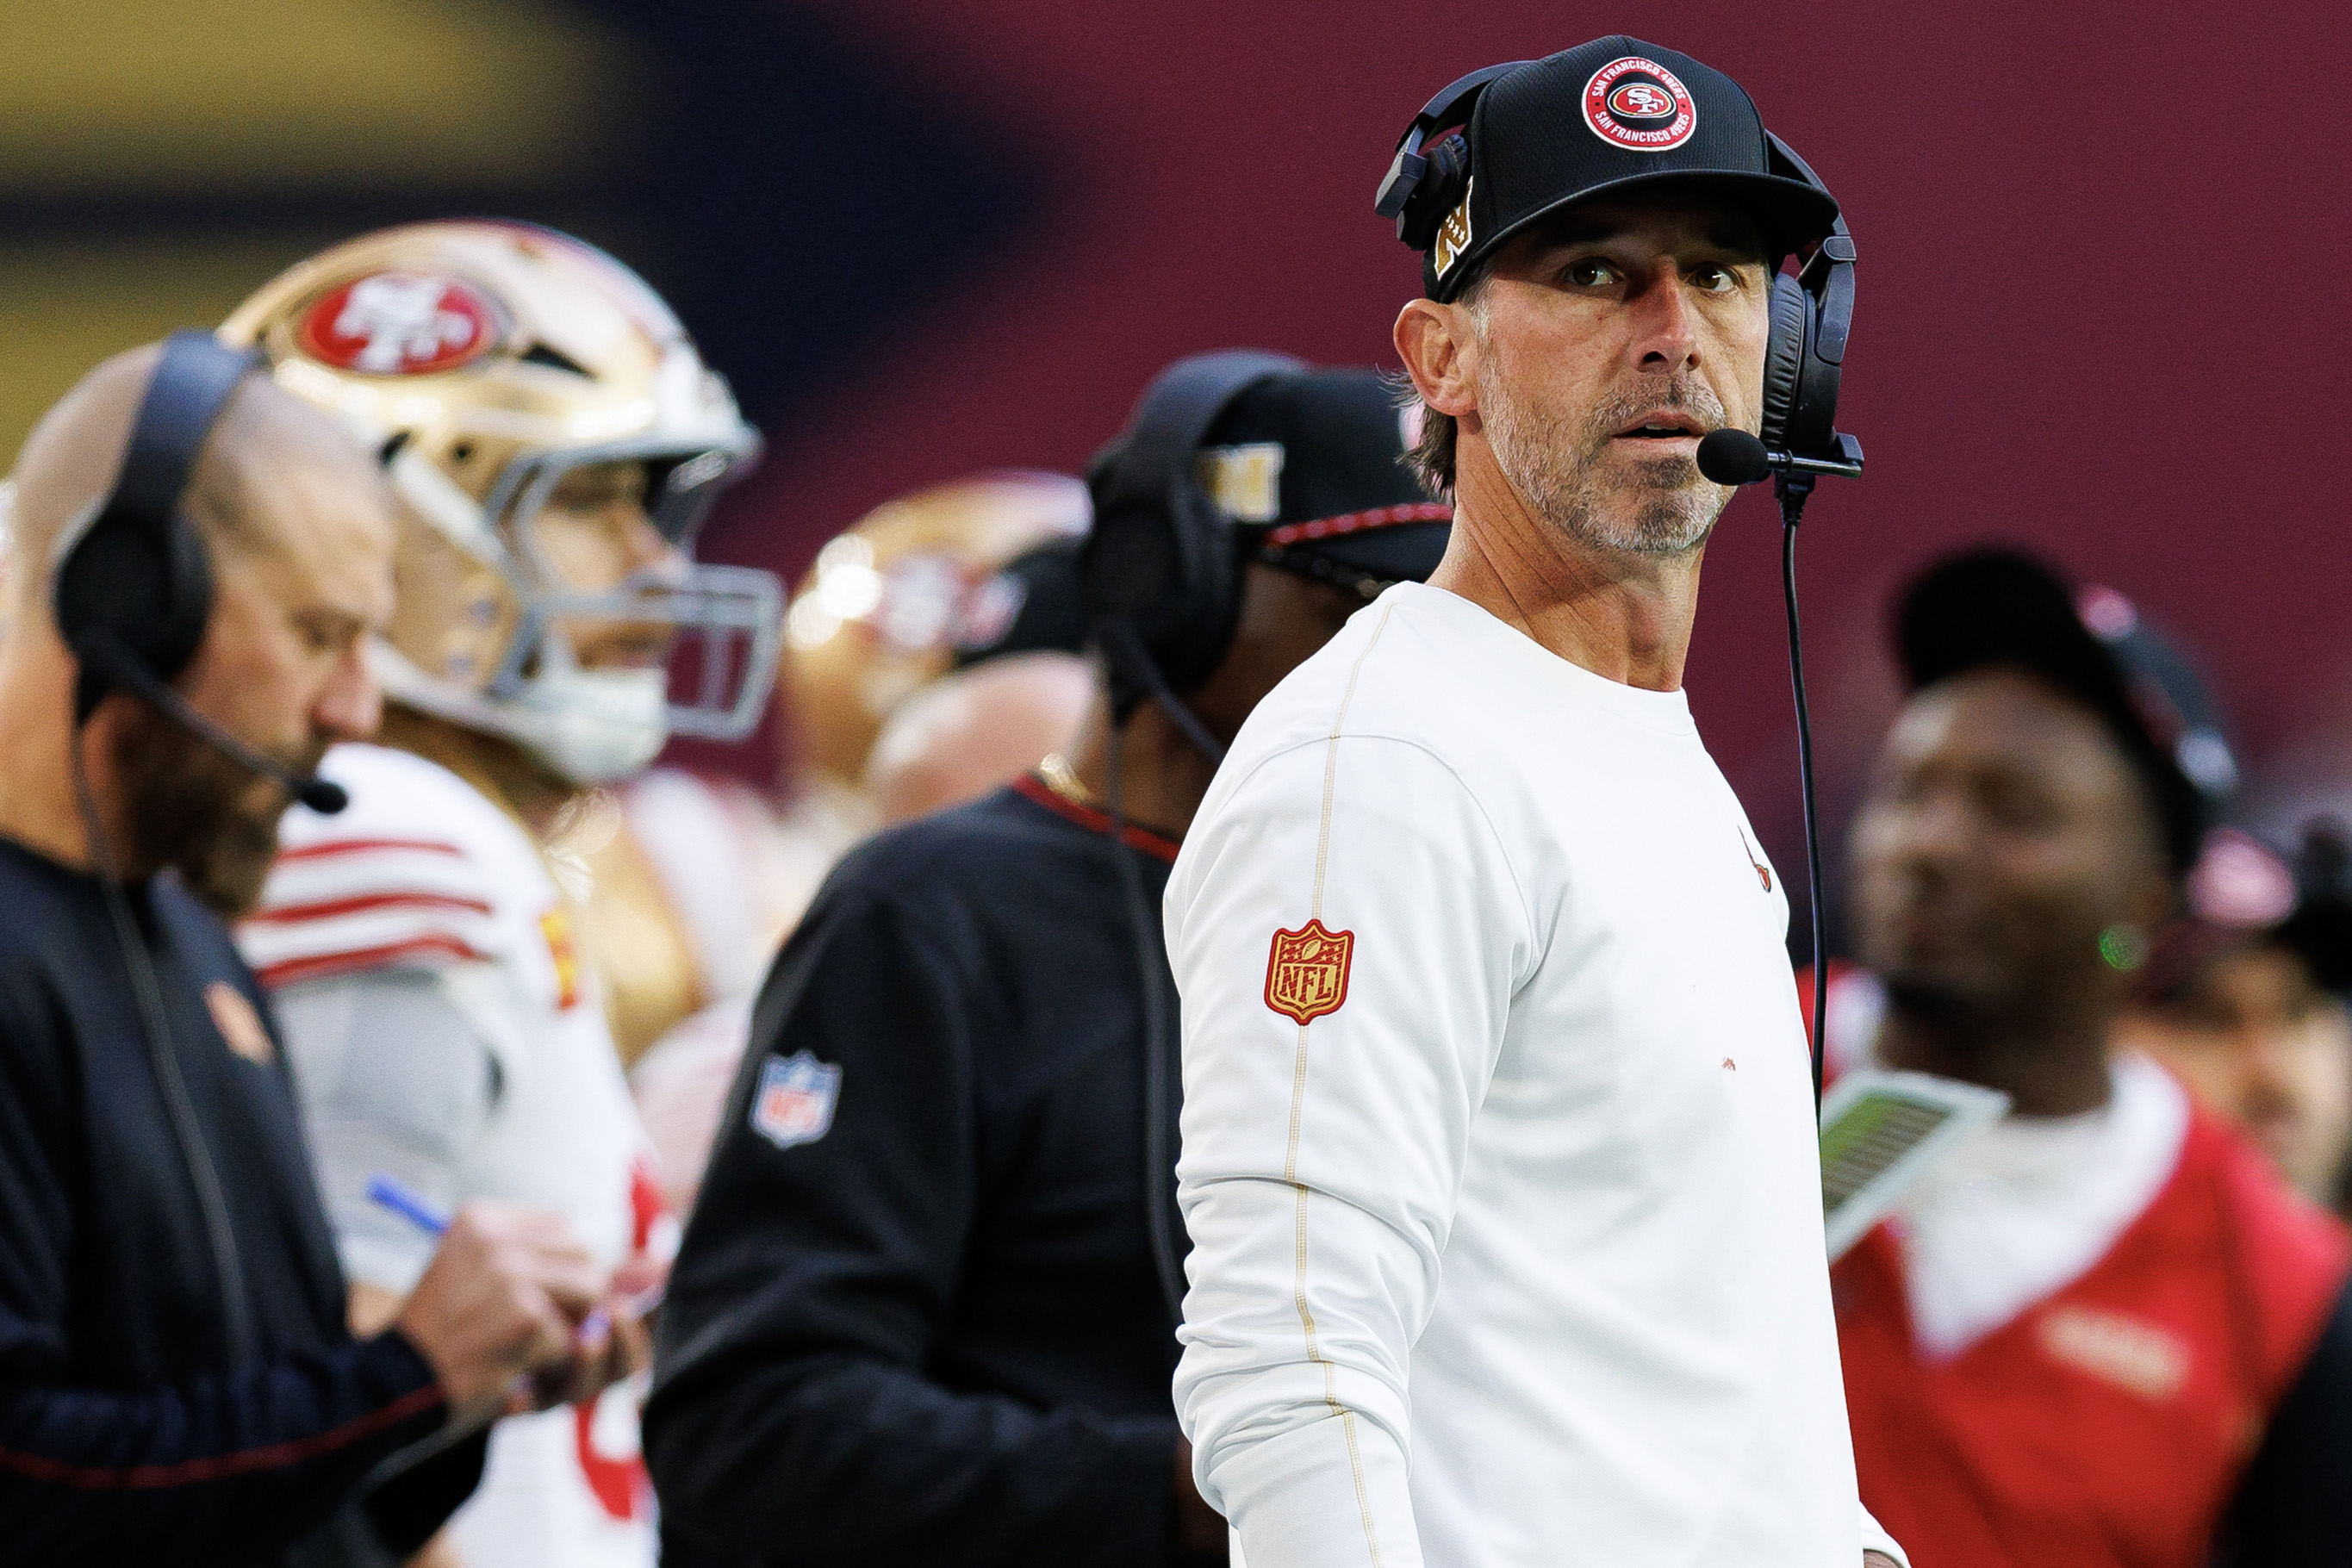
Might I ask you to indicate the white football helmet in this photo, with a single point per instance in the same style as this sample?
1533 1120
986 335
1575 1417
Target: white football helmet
486 363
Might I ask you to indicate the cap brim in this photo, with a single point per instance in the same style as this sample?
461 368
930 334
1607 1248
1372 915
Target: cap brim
1399 552
1791 212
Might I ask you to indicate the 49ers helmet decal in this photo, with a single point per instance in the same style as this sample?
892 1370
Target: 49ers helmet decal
398 323
489 362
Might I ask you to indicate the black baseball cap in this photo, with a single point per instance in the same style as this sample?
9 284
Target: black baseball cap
2000 607
1609 118
1310 469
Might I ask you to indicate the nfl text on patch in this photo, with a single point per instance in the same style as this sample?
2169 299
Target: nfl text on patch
1307 971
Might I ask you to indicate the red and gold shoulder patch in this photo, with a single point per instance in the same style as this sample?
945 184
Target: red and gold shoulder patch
238 1024
1307 972
555 925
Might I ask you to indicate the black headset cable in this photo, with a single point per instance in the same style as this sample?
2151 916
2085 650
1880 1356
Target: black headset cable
1792 491
1159 1160
147 992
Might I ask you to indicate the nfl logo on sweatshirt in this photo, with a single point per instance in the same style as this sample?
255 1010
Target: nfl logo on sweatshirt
795 1101
1307 971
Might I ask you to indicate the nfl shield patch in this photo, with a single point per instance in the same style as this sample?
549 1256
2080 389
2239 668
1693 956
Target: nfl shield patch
795 1101
1307 972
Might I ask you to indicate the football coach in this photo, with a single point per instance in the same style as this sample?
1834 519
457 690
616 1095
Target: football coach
925 1312
177 1386
1499 1159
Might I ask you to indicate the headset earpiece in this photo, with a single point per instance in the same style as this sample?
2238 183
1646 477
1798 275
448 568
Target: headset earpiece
1439 191
1427 177
1784 354
1159 562
134 572
1811 314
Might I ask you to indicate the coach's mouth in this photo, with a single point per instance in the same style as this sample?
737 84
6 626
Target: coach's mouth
1665 431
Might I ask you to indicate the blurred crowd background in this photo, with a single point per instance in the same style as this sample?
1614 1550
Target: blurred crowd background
2099 304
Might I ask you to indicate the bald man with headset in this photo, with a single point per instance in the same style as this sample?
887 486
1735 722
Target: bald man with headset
197 559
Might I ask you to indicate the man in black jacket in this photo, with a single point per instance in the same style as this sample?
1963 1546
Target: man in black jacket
176 1382
925 1311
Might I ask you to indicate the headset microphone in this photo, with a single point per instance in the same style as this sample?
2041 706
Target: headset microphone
100 650
1733 457
1730 456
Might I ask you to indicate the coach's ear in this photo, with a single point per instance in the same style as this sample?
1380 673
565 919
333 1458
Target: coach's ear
1438 346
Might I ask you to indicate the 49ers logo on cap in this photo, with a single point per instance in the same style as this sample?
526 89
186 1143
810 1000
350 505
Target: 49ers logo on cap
1639 105
398 323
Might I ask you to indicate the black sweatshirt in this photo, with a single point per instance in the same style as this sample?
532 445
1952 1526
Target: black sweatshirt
2294 1507
129 1433
934 1335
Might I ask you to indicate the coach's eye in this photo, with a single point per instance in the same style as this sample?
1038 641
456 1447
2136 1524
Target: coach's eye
1591 272
1715 280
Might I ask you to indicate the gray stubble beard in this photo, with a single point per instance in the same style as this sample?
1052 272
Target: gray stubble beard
1551 468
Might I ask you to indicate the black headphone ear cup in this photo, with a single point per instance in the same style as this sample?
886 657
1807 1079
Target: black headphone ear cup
1160 562
1128 569
1199 632
1784 358
150 593
1439 191
153 592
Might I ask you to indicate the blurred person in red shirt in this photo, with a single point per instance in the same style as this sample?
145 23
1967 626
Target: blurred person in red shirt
2244 1000
2102 1332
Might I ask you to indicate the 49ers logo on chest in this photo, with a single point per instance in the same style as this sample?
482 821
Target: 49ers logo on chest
1307 972
1639 105
399 323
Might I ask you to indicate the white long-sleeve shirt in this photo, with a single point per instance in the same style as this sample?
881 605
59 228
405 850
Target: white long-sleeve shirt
1514 1255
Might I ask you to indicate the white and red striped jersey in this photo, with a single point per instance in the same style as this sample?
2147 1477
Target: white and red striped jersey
444 1031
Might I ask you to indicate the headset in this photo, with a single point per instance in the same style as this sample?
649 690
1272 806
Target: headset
1812 312
1159 573
132 589
1161 582
1798 442
132 581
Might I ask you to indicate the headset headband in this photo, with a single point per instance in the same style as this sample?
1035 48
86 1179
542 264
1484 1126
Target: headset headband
1153 466
132 571
1834 252
193 381
1453 106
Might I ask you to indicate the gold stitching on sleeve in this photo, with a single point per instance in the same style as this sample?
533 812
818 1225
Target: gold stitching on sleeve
1298 1109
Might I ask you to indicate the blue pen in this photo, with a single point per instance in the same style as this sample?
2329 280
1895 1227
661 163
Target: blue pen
391 1194
382 1190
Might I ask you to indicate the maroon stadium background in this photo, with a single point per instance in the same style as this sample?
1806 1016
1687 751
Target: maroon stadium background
2103 302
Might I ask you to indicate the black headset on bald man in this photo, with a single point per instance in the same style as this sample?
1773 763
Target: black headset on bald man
132 593
132 588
